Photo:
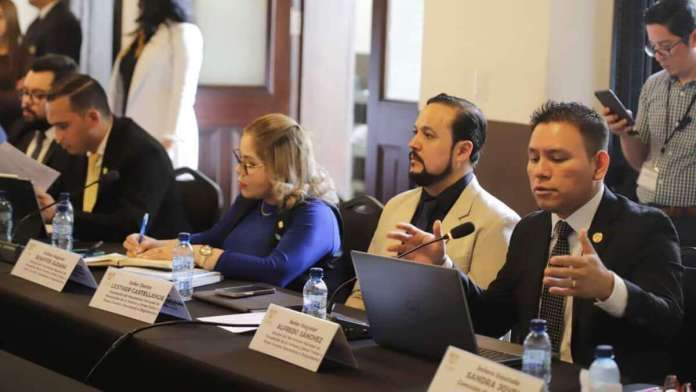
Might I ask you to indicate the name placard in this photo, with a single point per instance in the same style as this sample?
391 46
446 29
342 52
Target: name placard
138 297
463 371
301 340
52 267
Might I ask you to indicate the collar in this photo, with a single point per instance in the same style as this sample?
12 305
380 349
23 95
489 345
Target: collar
449 196
102 145
45 10
582 217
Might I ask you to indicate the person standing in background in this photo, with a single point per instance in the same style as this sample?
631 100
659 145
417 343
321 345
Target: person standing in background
155 77
56 30
13 60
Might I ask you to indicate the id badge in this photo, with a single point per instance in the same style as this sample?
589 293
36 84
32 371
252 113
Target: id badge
648 178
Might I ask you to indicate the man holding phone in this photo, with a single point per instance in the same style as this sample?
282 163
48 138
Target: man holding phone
661 144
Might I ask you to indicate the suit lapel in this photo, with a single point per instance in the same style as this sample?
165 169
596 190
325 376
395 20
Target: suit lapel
458 214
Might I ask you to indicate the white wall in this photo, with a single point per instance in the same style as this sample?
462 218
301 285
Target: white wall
327 85
509 56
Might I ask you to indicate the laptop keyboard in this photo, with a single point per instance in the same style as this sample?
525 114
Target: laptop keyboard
497 356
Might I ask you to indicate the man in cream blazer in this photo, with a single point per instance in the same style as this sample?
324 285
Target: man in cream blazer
163 88
448 136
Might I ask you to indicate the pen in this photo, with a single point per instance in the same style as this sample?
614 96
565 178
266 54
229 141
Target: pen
143 226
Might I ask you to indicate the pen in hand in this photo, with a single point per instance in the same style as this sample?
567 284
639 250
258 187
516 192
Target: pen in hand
143 227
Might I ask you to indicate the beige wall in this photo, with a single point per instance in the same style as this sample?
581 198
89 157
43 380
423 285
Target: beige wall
508 56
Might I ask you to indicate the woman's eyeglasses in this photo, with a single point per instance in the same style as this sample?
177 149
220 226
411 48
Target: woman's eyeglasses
246 165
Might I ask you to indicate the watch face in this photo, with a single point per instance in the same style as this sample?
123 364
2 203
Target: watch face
206 250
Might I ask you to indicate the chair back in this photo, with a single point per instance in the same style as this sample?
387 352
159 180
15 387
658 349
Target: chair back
683 348
201 197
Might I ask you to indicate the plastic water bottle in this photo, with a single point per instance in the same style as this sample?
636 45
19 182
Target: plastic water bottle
64 197
5 218
182 266
62 236
536 360
314 294
604 372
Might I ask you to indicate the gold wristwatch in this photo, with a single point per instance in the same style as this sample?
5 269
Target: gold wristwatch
205 251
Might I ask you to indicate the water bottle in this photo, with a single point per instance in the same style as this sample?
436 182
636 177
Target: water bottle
62 236
64 197
182 266
314 294
536 359
604 372
5 218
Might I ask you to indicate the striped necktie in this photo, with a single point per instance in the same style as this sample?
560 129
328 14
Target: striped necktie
552 307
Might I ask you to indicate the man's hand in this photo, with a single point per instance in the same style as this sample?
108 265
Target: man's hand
45 199
410 237
579 276
617 125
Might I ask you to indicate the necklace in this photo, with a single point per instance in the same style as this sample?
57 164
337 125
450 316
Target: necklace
264 213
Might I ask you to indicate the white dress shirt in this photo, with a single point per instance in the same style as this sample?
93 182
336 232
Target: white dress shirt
50 136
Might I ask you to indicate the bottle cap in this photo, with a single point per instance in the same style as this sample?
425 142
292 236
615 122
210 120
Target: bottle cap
604 351
316 272
184 237
64 196
62 207
537 325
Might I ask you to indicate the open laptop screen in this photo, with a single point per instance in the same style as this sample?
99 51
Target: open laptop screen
21 194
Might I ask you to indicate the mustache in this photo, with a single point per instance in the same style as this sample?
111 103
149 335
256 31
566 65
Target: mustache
413 155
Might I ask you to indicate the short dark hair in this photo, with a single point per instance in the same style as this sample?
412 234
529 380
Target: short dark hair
469 123
591 125
83 92
678 16
60 65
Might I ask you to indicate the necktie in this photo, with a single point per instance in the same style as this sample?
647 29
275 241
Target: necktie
552 306
38 146
423 221
90 196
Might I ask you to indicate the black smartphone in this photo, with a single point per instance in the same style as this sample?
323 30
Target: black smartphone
249 290
610 100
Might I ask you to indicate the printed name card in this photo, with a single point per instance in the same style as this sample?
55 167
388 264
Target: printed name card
138 297
52 267
301 339
463 371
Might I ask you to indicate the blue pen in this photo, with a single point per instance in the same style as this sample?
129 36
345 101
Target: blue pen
143 226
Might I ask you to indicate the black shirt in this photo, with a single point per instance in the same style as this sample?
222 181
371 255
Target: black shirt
432 208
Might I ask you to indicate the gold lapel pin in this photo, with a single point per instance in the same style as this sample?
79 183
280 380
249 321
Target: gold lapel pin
280 224
105 170
597 238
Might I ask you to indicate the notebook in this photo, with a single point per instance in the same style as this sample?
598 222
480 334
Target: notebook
422 309
201 277
121 260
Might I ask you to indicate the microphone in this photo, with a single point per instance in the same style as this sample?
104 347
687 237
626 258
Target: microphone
460 231
108 178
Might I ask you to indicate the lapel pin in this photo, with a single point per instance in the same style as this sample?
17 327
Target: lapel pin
597 237
280 224
105 170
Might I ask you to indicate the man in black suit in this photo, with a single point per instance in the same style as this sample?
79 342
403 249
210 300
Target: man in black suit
55 30
32 134
77 108
614 275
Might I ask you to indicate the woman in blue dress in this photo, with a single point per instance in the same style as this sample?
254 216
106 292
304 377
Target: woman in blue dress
283 222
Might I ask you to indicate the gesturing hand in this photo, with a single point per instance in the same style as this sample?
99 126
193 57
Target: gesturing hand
582 276
410 236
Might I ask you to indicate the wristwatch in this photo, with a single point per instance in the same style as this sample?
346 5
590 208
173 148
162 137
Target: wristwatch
205 251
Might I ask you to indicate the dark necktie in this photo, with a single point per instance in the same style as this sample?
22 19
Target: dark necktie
552 307
40 137
423 220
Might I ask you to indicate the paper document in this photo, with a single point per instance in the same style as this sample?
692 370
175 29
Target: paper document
239 318
16 162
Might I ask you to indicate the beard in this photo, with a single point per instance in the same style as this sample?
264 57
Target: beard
425 178
40 124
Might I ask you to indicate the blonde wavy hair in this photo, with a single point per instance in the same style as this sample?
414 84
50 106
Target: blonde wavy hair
286 150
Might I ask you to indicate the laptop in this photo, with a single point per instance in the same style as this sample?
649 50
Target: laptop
422 309
21 194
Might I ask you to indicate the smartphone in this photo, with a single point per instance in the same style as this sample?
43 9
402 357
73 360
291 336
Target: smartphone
609 99
250 290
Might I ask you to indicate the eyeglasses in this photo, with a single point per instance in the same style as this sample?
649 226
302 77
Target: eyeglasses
246 165
37 95
664 49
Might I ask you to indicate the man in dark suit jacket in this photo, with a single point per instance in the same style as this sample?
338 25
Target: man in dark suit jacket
32 134
621 286
55 30
100 142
